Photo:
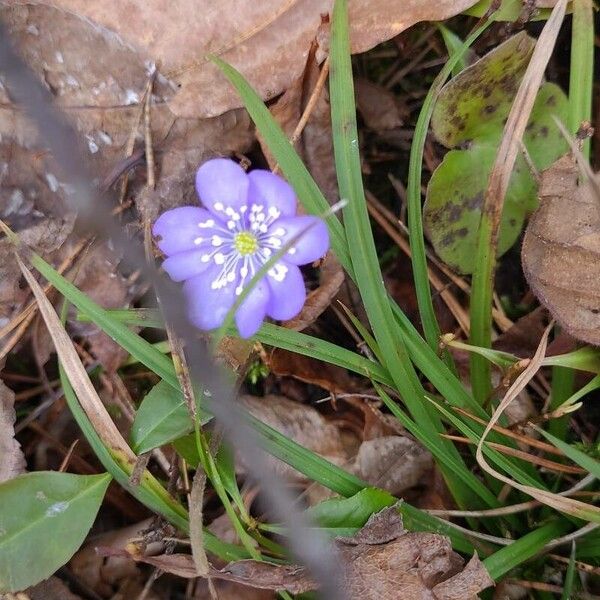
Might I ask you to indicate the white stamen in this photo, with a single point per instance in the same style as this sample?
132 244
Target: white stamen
267 252
274 212
279 231
216 240
244 271
263 228
219 258
230 276
205 258
230 225
239 289
198 241
276 242
278 272
292 250
209 223
218 206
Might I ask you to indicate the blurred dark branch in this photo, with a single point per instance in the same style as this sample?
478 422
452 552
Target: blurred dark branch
306 544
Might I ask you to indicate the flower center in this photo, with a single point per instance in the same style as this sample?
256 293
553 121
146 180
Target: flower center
245 243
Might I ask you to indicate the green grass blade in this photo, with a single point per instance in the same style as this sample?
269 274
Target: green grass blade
292 167
577 456
509 557
569 576
582 67
414 204
362 250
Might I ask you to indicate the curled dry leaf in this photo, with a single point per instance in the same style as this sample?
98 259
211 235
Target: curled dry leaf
561 251
12 461
247 35
380 562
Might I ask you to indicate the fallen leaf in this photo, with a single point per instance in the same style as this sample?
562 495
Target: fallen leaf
393 463
560 255
178 35
76 60
380 109
97 275
318 300
310 370
300 423
51 589
381 561
12 461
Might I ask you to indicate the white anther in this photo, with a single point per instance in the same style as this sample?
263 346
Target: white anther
218 206
274 212
279 231
219 258
209 223
198 241
216 240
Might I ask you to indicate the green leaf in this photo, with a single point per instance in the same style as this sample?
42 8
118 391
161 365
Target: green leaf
161 418
471 110
45 518
474 103
350 512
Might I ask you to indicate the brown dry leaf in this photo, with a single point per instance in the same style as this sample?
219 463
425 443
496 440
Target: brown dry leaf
560 255
12 461
109 574
380 108
51 589
300 423
76 59
393 463
267 41
317 301
310 370
98 277
380 562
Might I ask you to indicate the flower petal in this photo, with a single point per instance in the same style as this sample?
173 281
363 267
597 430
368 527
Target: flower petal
250 315
181 228
288 295
185 265
207 307
313 244
271 191
222 184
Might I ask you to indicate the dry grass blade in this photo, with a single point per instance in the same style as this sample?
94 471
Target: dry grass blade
196 530
87 395
556 501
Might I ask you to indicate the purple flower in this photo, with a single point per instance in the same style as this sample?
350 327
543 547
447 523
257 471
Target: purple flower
217 250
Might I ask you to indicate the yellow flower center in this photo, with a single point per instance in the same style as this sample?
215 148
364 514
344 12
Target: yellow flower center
245 243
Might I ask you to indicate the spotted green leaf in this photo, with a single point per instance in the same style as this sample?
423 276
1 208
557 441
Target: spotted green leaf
469 117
